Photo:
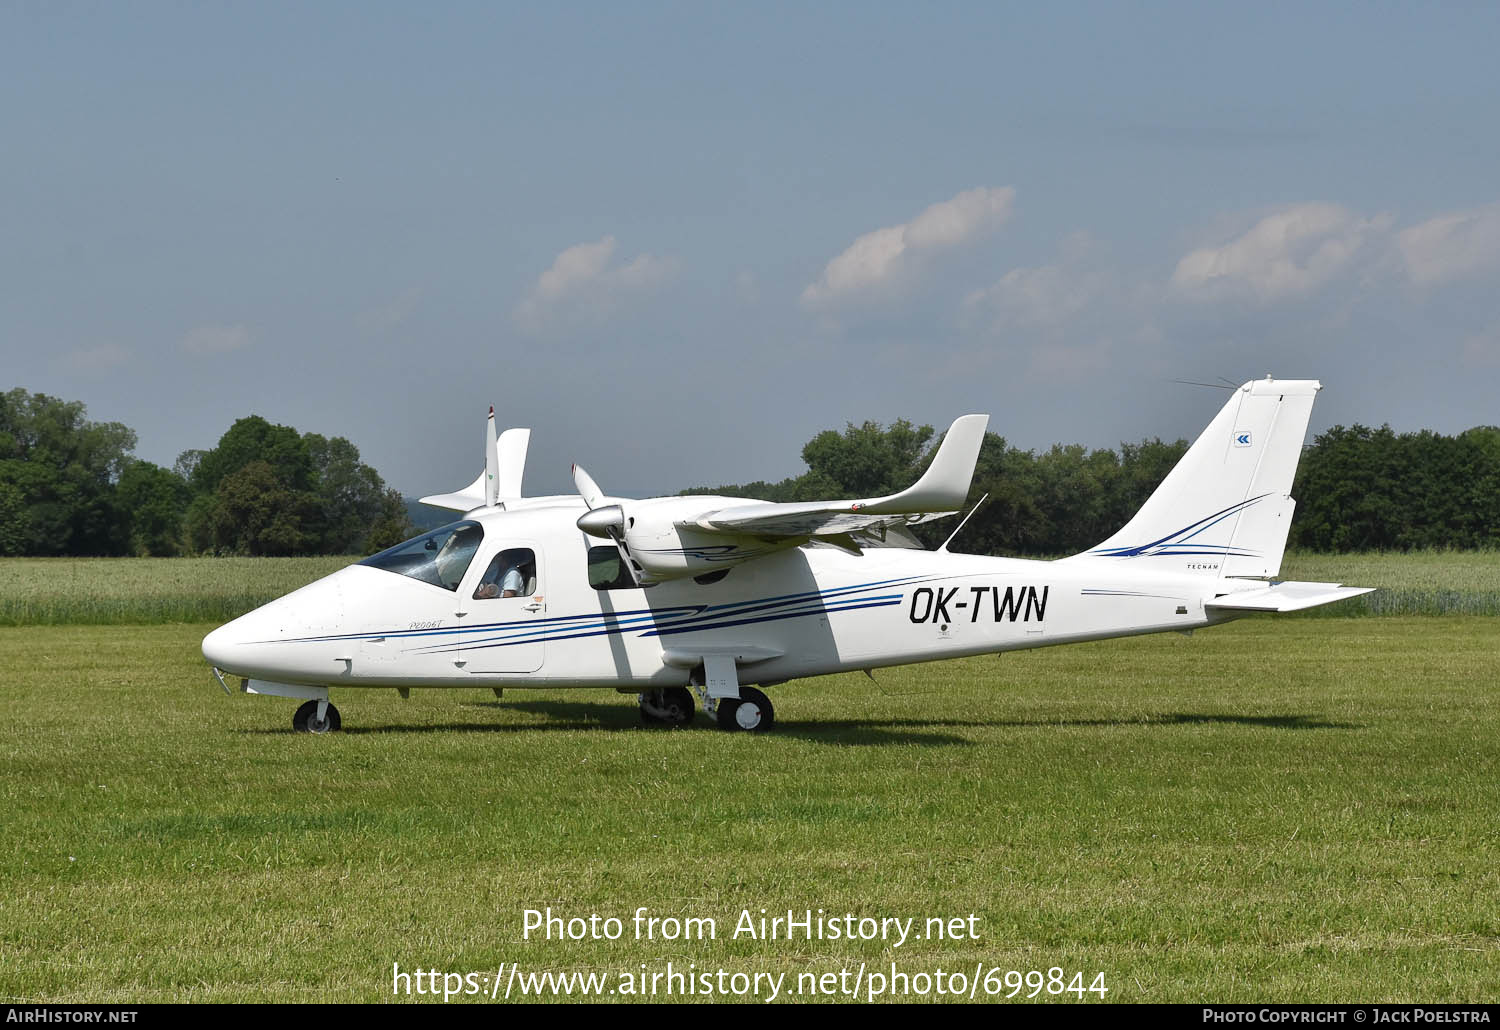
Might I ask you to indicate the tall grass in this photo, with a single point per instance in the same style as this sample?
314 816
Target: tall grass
111 591
1410 583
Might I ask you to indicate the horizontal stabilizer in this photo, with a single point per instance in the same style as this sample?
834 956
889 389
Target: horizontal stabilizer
467 499
504 467
1285 597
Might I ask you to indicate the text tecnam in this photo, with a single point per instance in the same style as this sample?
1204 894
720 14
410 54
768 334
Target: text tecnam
950 604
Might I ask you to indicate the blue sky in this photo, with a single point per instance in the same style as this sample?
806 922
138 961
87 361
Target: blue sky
679 239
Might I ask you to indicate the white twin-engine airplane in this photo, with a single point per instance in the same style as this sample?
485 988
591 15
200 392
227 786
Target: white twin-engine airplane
672 596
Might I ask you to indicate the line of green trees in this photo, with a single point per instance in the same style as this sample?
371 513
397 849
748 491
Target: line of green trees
69 486
1357 489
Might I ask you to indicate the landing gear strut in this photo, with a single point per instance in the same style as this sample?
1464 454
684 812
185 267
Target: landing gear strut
752 713
309 720
672 706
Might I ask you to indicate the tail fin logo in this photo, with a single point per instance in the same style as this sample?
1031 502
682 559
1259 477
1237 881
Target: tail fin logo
1182 542
1242 438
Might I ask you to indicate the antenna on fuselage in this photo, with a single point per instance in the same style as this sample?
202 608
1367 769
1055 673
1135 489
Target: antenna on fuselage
964 523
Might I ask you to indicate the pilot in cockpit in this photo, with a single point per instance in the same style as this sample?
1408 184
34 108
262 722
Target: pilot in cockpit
506 576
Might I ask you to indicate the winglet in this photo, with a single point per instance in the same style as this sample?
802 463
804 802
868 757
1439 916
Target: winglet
945 484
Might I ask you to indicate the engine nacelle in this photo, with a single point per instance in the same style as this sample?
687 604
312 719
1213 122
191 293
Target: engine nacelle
668 552
661 550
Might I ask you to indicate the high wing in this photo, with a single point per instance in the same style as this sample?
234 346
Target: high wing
941 491
663 538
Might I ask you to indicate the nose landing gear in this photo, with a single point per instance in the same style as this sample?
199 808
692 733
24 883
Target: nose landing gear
317 717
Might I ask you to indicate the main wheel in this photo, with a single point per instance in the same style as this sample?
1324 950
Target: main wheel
306 719
752 713
672 706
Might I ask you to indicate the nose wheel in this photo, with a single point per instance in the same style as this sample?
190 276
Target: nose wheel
752 713
308 720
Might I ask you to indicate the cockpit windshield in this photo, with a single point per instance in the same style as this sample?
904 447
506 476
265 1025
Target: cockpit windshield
440 557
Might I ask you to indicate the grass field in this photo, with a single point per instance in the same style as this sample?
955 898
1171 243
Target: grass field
1269 810
121 591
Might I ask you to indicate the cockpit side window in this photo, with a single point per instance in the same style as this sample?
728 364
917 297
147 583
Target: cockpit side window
512 573
607 571
440 558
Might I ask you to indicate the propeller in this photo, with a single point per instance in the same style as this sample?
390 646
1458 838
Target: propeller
491 463
605 521
589 490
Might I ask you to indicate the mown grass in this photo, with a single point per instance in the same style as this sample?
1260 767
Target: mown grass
121 591
1270 810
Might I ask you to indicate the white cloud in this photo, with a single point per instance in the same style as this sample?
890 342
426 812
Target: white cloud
1067 320
582 283
1453 246
883 257
1030 296
1044 297
97 359
1289 253
216 339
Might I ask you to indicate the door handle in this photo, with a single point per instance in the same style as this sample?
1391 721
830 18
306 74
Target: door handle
533 607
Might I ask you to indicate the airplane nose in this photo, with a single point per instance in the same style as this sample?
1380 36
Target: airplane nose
219 646
253 644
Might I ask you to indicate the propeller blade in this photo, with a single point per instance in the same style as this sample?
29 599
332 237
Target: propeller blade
587 488
491 462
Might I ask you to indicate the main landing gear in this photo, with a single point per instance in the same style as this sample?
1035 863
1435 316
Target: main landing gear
671 706
734 707
752 712
317 717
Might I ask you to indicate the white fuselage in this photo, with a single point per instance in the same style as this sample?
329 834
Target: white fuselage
798 612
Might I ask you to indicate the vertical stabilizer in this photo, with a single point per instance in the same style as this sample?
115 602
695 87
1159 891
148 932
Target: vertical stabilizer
511 454
1226 508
